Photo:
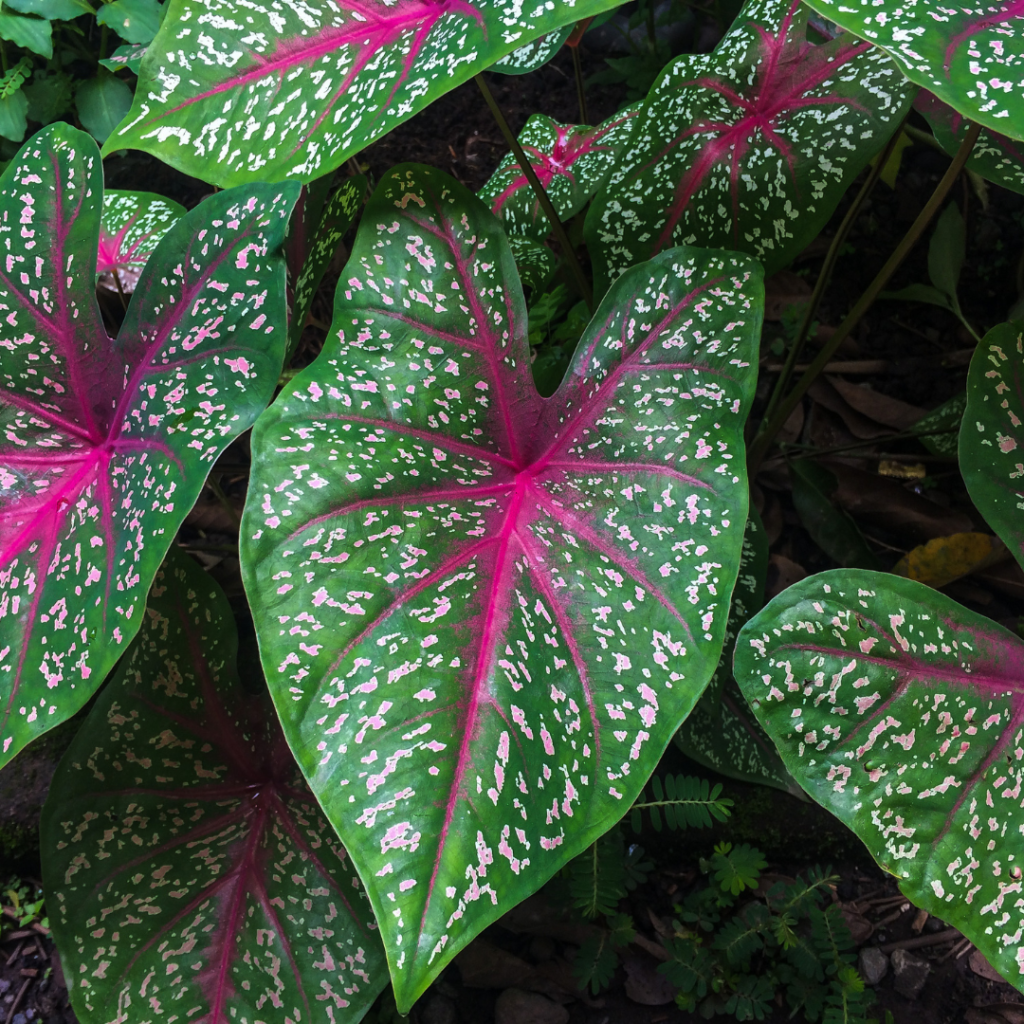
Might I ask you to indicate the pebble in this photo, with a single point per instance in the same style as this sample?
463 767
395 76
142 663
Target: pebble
4 985
873 965
910 973
514 1006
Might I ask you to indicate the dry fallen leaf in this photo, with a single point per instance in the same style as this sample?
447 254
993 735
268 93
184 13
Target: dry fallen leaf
944 559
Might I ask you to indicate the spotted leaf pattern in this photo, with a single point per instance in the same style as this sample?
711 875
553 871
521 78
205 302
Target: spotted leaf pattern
995 157
971 55
721 732
750 147
105 443
903 714
234 92
570 161
992 436
534 54
131 226
483 614
190 874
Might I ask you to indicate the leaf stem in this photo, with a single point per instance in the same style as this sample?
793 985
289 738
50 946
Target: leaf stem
581 91
825 275
531 175
782 413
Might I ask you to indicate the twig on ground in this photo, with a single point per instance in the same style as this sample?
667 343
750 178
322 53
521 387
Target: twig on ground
923 941
17 1000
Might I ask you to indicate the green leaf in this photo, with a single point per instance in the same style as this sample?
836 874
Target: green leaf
737 869
33 34
49 95
535 262
14 101
128 56
101 103
595 963
900 712
946 421
721 154
920 293
182 846
992 436
597 877
294 90
970 55
946 250
534 54
135 21
445 536
685 802
130 230
107 442
51 10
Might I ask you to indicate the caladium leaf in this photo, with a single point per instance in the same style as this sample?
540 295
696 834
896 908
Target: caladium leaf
131 226
128 56
535 262
482 614
992 435
312 83
570 161
106 442
189 872
971 55
995 157
901 712
534 54
721 732
749 147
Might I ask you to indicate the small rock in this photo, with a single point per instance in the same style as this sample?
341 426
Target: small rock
514 1006
20 1018
935 924
644 985
873 965
4 985
909 973
439 1009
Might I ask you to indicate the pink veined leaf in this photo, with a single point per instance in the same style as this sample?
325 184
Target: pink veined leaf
971 55
748 147
903 714
992 436
131 226
294 90
570 161
995 157
105 443
483 614
189 872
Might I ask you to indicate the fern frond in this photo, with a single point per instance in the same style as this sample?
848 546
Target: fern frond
742 937
595 963
690 968
597 877
13 80
751 999
683 801
737 868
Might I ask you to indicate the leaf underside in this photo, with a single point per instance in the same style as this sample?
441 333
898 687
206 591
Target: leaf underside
902 712
189 871
971 55
234 92
484 614
131 226
749 147
106 442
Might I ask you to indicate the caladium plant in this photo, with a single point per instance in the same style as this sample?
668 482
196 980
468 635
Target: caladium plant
483 614
995 157
131 226
748 147
534 54
189 871
571 163
970 54
107 442
991 434
234 93
901 712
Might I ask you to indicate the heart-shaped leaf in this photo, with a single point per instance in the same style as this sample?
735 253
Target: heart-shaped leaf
901 712
295 90
971 55
483 615
107 442
748 147
131 226
570 161
189 872
995 157
534 54
721 732
992 435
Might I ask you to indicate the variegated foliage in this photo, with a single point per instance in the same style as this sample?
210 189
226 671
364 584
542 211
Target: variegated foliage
106 443
995 157
131 226
483 614
571 163
190 874
903 714
534 54
971 55
721 732
992 436
234 92
750 147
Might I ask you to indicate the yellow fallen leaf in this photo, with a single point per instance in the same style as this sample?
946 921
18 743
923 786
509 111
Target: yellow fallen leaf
945 559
